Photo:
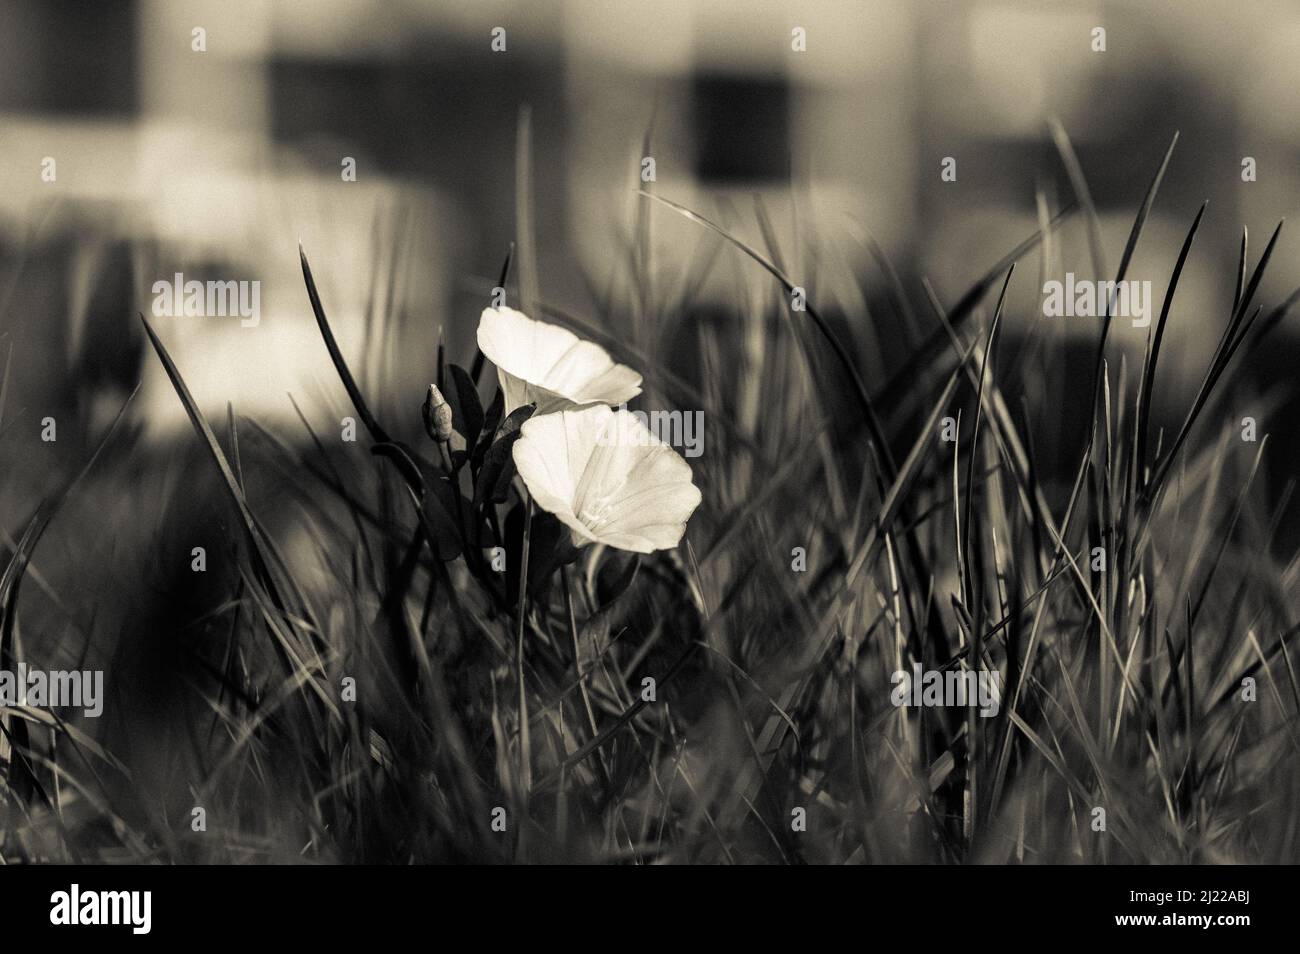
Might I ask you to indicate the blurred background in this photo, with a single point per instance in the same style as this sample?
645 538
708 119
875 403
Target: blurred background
142 138
217 162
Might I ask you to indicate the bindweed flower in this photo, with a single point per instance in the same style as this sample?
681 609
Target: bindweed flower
607 478
437 415
544 364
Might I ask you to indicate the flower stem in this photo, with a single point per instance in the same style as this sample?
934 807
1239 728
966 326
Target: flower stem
525 763
577 668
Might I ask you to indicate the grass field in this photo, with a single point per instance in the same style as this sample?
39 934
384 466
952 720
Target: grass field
395 656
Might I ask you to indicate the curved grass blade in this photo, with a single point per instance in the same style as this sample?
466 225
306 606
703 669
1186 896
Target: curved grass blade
377 433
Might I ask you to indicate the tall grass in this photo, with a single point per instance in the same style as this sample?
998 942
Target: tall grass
521 696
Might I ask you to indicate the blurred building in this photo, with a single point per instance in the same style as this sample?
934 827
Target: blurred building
209 138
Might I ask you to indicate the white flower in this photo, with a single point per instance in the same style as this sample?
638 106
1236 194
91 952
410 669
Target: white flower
607 478
544 364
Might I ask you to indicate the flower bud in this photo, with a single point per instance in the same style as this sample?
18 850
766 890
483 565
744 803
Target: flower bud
437 415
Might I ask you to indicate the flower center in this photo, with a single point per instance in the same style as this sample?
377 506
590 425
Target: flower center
595 514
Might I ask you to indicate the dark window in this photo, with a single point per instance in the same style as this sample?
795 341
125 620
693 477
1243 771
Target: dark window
742 126
69 56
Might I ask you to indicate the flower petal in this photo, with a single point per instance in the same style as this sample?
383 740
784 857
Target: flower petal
607 478
549 366
552 452
586 374
521 346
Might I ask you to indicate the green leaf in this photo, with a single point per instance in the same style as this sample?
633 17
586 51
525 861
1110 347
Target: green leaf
466 409
490 424
493 483
442 504
614 580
